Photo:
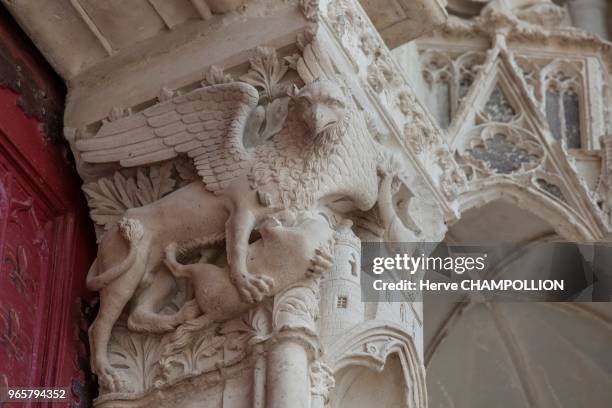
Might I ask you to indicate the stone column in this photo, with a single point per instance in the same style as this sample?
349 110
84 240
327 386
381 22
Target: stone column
590 15
288 382
293 346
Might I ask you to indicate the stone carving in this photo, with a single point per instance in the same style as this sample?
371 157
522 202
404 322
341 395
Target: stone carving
195 349
322 382
322 155
285 253
561 97
449 77
393 204
604 186
505 153
497 108
110 197
551 189
530 121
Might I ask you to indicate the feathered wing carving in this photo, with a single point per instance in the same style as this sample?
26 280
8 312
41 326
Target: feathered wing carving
207 124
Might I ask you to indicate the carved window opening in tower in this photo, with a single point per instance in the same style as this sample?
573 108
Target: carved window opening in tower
354 265
448 79
562 103
341 302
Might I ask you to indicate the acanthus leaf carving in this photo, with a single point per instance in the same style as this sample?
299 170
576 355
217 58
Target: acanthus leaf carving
310 8
215 75
135 357
266 72
110 197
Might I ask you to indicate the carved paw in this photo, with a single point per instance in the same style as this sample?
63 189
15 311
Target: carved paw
112 381
190 310
321 263
270 223
252 288
170 250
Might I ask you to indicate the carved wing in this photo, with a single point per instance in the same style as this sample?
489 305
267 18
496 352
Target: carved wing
207 124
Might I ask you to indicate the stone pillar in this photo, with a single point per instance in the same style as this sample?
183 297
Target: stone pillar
288 382
590 15
293 347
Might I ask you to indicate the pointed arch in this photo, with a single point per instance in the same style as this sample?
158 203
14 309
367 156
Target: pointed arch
562 95
564 220
370 345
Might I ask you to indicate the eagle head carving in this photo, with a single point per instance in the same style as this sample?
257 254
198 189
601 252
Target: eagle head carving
323 105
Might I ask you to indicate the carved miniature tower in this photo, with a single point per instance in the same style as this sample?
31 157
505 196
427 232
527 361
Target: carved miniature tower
341 305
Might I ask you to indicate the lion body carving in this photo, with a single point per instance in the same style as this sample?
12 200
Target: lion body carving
322 156
286 253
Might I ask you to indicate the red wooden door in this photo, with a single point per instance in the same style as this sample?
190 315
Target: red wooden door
46 243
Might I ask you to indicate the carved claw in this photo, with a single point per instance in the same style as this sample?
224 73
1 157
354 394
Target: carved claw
170 250
190 310
271 222
252 288
112 380
321 263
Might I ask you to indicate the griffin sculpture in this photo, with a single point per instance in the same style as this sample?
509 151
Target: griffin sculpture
322 156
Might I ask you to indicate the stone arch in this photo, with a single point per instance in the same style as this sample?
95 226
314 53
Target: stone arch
563 220
371 346
562 92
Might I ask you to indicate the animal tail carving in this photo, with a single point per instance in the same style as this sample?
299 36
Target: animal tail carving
132 231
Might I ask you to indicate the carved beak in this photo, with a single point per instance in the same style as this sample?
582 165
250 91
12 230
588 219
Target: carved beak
321 119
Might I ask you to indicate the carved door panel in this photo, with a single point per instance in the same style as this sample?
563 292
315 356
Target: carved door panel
46 246
30 251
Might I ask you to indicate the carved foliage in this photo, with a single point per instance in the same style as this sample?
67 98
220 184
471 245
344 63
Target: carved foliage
297 307
265 73
146 361
190 353
136 356
110 197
